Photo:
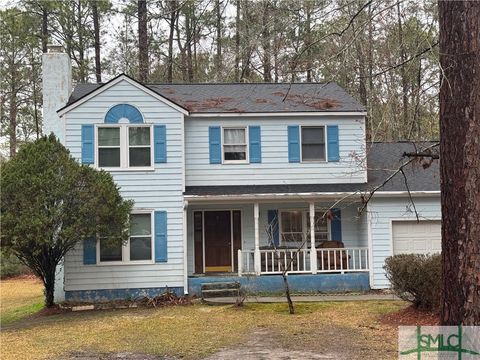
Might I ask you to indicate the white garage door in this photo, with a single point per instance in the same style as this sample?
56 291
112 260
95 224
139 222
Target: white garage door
419 238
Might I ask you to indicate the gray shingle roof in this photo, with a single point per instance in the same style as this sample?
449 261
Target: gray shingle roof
248 98
383 159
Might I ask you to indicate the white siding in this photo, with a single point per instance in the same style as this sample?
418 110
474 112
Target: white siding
161 189
275 168
383 212
351 224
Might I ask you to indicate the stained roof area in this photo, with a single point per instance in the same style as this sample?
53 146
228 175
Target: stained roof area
248 98
383 160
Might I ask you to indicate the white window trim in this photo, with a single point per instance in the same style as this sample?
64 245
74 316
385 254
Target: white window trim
305 230
247 150
126 247
124 148
325 139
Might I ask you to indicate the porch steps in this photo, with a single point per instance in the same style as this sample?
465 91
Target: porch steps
220 290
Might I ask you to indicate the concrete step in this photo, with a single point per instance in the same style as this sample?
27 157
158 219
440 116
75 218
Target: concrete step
221 293
221 285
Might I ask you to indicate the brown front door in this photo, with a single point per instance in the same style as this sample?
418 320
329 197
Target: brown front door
218 241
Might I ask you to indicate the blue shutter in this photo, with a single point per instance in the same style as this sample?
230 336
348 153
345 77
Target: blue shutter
214 138
90 251
160 236
273 221
294 144
254 138
332 140
160 141
336 225
88 145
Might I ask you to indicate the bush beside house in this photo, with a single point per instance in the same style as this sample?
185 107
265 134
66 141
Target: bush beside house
416 278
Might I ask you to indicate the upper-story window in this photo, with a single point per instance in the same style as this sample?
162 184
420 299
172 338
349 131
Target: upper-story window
235 146
313 143
124 146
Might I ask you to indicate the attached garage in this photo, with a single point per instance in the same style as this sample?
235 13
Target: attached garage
416 237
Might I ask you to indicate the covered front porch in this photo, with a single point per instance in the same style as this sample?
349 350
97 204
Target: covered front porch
247 239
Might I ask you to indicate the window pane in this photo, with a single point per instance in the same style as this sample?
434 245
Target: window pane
291 221
109 157
140 248
140 224
139 156
234 136
292 237
110 253
313 135
139 135
108 136
321 226
235 156
313 152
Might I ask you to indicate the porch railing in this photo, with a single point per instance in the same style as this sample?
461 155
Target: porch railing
298 261
342 259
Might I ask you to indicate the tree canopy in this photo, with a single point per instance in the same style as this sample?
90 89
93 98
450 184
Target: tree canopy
50 202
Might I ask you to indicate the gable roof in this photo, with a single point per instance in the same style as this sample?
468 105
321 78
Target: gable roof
247 98
99 88
382 160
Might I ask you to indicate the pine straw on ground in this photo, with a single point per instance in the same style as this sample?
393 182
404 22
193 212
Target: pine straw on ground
411 316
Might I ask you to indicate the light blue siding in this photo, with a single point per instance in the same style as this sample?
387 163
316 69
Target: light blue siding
160 189
275 167
382 211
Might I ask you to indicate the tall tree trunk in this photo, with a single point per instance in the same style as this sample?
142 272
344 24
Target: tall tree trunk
266 61
96 30
142 41
308 40
173 16
218 57
12 129
44 28
82 71
460 160
403 73
189 18
237 42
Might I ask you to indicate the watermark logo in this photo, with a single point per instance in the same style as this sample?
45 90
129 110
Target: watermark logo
439 342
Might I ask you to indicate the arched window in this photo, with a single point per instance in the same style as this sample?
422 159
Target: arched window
123 111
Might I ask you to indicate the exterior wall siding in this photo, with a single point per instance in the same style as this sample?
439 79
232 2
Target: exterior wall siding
382 212
160 189
275 168
352 235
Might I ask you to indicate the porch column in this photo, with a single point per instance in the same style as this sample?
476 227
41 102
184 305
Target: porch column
257 261
313 251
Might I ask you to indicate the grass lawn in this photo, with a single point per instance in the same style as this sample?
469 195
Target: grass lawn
19 298
348 328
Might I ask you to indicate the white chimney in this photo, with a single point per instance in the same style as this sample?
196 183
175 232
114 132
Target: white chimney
57 85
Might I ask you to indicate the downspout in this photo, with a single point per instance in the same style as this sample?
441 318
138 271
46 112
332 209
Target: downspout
185 259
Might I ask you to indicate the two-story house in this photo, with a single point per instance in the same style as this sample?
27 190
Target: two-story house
227 181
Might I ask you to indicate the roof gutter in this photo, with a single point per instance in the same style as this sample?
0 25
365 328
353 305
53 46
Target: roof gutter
309 195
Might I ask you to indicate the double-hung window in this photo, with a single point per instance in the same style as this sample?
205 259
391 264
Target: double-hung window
295 227
235 145
292 226
313 143
139 246
124 146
